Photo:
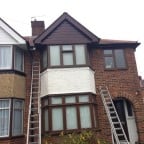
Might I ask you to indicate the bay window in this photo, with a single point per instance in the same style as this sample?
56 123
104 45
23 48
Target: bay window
11 117
64 56
11 58
68 112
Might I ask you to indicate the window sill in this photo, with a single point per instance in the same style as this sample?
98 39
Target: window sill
12 72
12 137
115 69
57 133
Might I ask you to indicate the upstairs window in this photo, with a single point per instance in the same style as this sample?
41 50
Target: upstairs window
11 58
64 56
114 59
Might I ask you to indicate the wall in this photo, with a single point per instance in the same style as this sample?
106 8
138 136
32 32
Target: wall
12 85
121 83
67 80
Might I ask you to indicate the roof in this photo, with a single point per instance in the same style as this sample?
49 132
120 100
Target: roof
119 43
65 17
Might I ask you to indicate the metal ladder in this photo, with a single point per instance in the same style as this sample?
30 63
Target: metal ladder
34 129
118 133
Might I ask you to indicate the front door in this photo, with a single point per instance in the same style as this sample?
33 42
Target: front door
125 111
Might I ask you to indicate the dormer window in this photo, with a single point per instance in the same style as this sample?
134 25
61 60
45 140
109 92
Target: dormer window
64 56
11 58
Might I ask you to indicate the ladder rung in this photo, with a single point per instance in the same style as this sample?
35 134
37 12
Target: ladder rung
34 135
34 121
34 128
120 135
116 123
34 115
118 128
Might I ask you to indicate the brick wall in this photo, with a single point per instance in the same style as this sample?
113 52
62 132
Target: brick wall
121 83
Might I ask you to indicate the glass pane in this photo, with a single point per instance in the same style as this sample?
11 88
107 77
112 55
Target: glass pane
4 117
18 104
57 119
18 59
85 117
44 58
67 47
107 52
109 63
68 58
46 120
17 127
5 57
17 123
4 104
120 59
71 118
70 99
56 100
80 54
54 55
84 98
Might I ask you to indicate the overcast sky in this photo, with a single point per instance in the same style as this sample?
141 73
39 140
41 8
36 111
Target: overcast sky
110 19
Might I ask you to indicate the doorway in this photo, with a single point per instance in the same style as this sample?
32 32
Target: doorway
127 117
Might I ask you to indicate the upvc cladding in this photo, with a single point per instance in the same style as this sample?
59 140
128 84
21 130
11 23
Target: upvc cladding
67 80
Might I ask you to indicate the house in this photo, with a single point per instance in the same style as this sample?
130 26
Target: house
51 81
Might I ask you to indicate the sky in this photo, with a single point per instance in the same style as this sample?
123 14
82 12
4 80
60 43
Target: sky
108 19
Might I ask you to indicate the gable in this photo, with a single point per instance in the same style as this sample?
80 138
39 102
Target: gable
66 33
9 36
5 38
66 30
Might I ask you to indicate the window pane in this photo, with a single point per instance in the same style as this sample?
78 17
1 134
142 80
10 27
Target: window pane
4 117
70 99
5 57
71 118
67 48
120 59
18 59
44 58
85 117
54 55
109 63
80 54
46 120
67 58
84 98
107 52
17 123
56 100
57 119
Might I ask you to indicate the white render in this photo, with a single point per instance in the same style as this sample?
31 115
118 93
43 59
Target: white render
67 80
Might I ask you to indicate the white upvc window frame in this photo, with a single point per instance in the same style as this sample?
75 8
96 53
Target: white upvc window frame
9 107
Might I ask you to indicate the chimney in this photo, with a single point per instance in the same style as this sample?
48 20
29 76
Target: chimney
37 27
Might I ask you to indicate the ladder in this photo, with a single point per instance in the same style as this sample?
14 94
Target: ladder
34 129
118 133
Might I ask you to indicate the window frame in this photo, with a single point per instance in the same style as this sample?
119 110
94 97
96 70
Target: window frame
61 65
13 54
48 107
10 121
113 56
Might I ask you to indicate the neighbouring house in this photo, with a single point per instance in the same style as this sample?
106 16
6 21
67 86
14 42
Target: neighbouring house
49 82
